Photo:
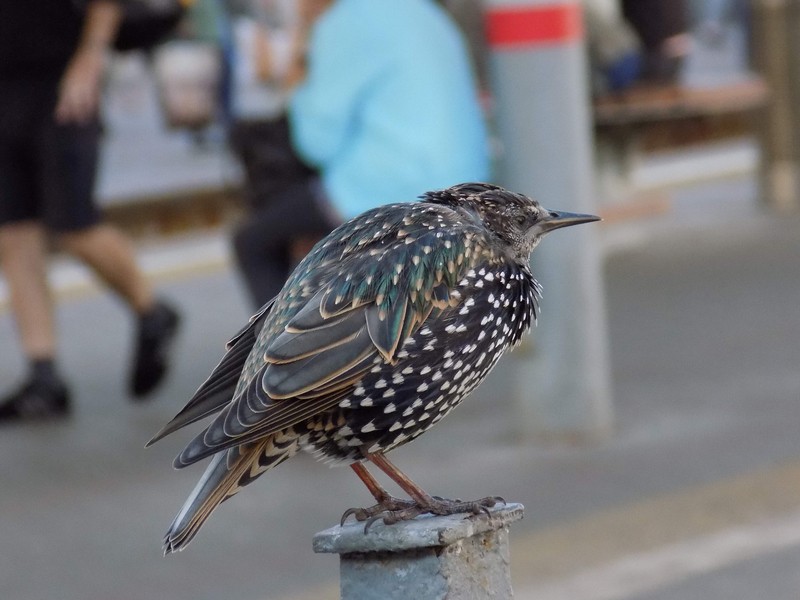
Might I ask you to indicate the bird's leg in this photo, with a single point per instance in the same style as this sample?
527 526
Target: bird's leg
376 489
385 501
424 502
419 495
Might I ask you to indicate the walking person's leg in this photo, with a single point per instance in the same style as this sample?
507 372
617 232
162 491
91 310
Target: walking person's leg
69 163
23 256
47 173
110 255
23 259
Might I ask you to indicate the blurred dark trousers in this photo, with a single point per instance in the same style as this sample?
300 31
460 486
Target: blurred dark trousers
271 166
265 241
656 20
285 201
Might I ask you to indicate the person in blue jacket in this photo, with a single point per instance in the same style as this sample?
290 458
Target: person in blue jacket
388 109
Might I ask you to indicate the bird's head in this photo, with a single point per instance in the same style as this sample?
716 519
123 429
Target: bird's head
518 221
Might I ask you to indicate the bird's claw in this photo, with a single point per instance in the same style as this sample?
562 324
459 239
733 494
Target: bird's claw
371 521
483 505
478 509
359 513
393 510
441 499
387 506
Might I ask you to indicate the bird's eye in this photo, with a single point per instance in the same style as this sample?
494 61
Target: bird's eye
520 220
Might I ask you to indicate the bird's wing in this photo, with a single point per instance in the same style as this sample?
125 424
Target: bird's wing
218 389
304 373
367 303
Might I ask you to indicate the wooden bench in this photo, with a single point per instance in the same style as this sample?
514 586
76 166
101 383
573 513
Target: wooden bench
648 118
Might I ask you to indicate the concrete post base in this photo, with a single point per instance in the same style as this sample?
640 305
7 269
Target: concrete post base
457 557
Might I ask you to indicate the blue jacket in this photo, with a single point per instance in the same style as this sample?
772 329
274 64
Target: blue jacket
389 108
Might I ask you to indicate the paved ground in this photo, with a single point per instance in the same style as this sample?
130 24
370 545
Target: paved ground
683 500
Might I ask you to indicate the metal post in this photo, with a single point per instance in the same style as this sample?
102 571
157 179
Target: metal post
775 47
541 107
430 558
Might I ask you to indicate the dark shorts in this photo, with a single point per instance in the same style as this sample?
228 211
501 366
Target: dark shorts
47 170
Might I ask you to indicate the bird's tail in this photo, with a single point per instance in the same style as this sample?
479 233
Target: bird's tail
228 472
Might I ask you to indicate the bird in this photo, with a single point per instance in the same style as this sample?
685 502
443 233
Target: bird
378 333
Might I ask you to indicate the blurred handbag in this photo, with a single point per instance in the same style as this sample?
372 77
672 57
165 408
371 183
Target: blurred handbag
145 23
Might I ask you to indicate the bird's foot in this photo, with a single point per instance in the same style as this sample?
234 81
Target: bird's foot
387 505
443 506
393 510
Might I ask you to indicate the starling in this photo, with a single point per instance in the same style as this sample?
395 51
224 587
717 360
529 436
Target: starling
386 325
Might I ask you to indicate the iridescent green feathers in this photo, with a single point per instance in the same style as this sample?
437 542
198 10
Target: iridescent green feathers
402 264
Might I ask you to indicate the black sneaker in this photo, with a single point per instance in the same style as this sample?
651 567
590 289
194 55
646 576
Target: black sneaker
36 401
157 330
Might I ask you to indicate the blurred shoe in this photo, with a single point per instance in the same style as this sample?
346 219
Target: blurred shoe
36 401
157 331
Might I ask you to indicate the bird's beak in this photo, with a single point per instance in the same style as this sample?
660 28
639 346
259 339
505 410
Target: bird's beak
558 219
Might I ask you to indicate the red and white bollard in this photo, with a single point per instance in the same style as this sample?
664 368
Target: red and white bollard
541 108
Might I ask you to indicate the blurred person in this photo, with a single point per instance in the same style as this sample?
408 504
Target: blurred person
387 108
663 28
49 136
271 39
266 64
614 50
